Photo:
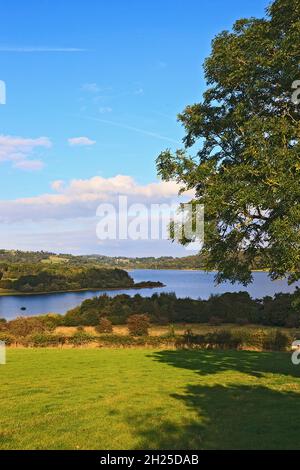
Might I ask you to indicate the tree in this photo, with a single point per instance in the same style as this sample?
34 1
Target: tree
138 325
105 326
246 132
24 326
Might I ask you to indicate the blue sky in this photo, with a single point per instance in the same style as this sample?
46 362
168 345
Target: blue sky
116 73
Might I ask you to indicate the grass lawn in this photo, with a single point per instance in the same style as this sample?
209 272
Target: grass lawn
145 399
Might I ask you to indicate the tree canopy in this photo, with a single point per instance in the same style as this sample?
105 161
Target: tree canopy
241 148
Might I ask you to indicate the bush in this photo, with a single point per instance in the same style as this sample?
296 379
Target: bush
251 337
191 340
44 340
105 326
224 339
237 338
81 337
171 333
138 325
277 341
121 341
7 338
3 324
50 321
23 326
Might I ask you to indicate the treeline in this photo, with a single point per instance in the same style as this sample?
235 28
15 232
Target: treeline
282 310
24 260
14 263
90 278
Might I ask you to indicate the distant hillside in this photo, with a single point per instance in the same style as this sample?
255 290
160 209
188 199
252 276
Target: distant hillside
164 262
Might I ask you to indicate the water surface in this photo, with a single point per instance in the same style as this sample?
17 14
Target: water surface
194 284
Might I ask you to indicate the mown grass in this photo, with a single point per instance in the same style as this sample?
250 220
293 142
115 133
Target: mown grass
145 399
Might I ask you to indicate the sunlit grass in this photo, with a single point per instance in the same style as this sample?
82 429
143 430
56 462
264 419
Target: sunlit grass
141 399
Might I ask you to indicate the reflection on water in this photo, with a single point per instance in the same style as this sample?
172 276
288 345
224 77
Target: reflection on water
192 284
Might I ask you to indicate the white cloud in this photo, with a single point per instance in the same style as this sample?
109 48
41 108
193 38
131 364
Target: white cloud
58 185
18 149
30 165
80 198
80 141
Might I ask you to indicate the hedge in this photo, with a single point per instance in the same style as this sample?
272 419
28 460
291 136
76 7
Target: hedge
238 338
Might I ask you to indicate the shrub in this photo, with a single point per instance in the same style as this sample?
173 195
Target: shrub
223 339
251 337
7 338
50 321
105 326
81 337
170 334
115 340
44 340
277 341
138 325
273 340
190 340
3 324
23 326
121 341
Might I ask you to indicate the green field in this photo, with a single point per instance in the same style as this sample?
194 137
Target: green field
145 399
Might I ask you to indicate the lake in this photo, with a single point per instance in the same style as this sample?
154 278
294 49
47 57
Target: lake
192 284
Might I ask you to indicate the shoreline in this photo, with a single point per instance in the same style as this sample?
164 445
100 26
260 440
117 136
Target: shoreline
93 289
187 269
97 289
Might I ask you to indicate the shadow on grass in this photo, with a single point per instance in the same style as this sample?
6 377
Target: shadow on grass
233 416
206 362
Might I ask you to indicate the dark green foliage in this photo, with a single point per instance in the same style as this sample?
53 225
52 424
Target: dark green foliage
44 340
279 310
282 310
92 278
80 338
121 341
